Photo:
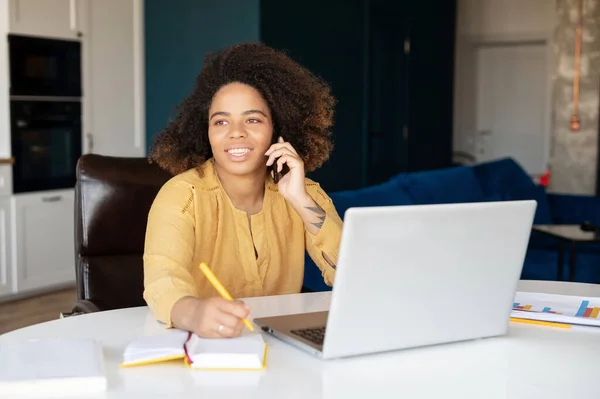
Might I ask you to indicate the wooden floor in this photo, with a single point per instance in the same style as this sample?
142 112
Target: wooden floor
33 310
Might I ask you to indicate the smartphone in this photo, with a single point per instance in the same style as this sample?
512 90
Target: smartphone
273 167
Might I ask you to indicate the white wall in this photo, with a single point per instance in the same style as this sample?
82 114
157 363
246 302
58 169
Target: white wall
481 21
505 17
4 83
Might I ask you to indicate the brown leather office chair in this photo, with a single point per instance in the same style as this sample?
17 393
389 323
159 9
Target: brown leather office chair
112 199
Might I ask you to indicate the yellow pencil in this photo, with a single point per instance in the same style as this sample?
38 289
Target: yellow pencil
540 322
219 287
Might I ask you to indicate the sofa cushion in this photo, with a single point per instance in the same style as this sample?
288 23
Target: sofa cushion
504 176
313 278
543 214
574 209
541 264
384 194
450 185
508 179
538 240
587 264
495 197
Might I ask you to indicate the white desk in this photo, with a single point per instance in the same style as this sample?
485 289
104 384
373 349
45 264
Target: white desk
530 362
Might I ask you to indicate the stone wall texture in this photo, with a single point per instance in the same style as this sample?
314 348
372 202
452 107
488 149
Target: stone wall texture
573 160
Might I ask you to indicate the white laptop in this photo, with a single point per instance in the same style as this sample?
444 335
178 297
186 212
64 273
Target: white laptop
410 276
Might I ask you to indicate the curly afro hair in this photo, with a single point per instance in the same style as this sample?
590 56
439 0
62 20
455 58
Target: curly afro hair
301 106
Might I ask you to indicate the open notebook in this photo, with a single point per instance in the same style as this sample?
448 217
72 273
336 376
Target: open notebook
247 352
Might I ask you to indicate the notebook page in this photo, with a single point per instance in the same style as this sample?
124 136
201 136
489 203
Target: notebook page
246 351
244 344
155 347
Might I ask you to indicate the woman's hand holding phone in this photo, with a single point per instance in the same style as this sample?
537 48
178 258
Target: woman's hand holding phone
293 188
291 185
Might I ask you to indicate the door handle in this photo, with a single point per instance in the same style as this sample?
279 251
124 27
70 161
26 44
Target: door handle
484 132
90 138
54 198
73 15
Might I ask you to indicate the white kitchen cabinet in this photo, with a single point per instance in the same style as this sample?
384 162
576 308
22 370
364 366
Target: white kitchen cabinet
6 284
5 179
113 65
37 229
46 18
44 239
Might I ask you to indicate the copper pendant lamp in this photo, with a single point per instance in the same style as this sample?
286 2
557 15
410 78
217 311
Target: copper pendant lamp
575 121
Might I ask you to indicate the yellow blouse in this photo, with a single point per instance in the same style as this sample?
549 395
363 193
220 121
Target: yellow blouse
192 220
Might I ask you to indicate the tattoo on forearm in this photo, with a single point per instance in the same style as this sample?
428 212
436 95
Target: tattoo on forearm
316 209
319 224
322 215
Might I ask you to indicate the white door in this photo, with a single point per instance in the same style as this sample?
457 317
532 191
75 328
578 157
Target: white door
512 115
45 240
6 286
113 82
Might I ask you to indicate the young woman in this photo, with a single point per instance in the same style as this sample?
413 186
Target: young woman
253 111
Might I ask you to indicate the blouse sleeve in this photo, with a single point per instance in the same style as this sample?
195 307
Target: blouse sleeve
169 249
327 240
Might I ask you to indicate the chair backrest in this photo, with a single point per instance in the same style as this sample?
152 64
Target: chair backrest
112 199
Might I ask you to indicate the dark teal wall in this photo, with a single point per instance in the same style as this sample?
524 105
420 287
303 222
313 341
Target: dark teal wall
357 46
178 33
328 37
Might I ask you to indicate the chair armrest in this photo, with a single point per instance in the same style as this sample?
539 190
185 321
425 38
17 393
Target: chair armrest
574 209
87 306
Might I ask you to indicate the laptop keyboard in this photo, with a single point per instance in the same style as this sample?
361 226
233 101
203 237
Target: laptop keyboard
314 334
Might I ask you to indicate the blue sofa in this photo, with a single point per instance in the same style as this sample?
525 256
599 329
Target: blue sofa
499 180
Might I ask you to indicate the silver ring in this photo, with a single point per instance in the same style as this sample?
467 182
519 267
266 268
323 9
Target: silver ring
220 328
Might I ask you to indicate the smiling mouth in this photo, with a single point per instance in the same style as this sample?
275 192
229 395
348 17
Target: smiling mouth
238 152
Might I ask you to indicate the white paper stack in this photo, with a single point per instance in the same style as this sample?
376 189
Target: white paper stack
51 367
557 308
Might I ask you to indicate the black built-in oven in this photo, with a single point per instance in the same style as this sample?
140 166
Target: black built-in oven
44 67
45 111
46 144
